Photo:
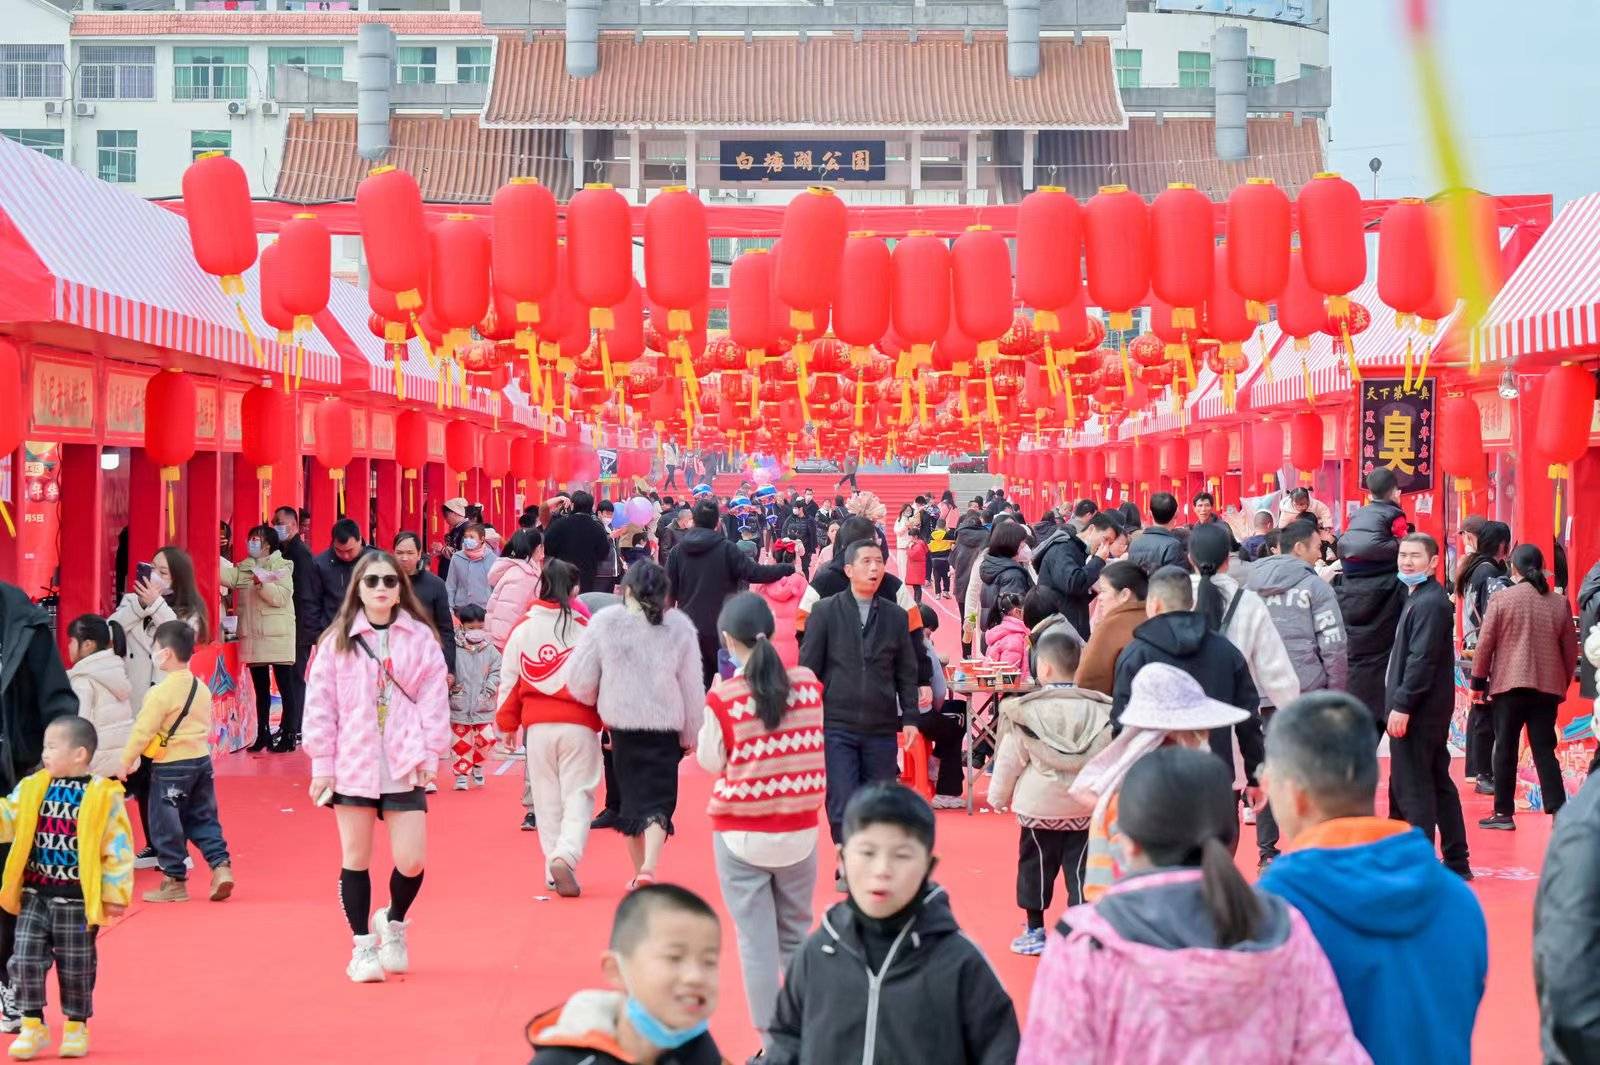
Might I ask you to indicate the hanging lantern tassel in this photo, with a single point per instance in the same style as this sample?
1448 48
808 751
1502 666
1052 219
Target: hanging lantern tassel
1052 373
861 399
987 351
1558 471
338 484
905 400
1229 383
299 360
605 362
494 488
395 351
1422 369
1349 348
444 383
922 400
1127 365
1405 385
1072 403
1266 359
249 330
411 491
1305 375
533 377
170 475
427 345
802 356
264 478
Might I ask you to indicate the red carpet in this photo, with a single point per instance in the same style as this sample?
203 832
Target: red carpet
260 978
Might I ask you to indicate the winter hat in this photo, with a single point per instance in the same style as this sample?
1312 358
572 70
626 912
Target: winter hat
1167 699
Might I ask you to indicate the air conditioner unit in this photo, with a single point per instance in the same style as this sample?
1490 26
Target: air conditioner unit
83 110
238 108
52 107
269 108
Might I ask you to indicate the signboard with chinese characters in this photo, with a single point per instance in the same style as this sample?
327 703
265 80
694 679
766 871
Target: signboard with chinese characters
383 434
125 407
1397 431
63 398
232 419
205 416
804 161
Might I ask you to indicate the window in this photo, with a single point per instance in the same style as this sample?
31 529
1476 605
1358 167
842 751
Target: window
49 141
1308 71
417 66
116 72
210 73
317 61
118 155
1260 71
209 140
1194 70
1129 62
32 71
472 63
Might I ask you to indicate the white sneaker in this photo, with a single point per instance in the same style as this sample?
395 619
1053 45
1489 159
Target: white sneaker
364 967
949 802
431 789
461 782
477 777
392 954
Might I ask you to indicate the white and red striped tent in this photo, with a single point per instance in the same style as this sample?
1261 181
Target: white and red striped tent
1551 304
76 250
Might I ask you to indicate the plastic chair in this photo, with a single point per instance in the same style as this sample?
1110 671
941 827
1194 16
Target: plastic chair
914 755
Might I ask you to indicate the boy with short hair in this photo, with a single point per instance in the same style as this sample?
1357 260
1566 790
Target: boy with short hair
1046 737
889 977
474 695
173 731
663 963
70 869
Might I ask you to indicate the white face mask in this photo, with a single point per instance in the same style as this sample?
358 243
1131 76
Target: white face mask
471 543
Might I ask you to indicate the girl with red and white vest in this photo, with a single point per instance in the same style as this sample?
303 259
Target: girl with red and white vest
562 734
762 736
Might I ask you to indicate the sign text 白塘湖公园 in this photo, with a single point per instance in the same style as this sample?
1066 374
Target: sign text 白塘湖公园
803 161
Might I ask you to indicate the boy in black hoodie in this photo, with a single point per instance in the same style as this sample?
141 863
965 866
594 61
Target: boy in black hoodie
889 977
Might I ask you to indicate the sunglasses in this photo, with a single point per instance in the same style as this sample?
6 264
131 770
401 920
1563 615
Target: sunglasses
388 580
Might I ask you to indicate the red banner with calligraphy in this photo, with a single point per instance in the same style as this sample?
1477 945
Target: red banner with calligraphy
1397 430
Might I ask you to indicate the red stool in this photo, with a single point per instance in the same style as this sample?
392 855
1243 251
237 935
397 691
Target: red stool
914 754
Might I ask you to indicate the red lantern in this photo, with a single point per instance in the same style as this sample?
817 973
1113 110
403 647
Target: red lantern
1566 409
1174 459
599 251
1459 442
394 235
527 461
921 303
1049 234
459 286
1302 310
1407 274
1181 241
496 460
13 414
750 323
1214 456
1146 349
861 306
272 309
1116 241
266 433
677 254
980 270
624 341
815 227
1305 443
1266 451
411 441
523 245
1333 239
1094 470
216 204
1258 243
461 449
1228 321
169 421
1146 464
306 251
335 440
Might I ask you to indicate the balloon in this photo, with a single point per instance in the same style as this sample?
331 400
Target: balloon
639 511
762 475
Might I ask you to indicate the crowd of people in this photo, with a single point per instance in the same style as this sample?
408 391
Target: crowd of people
1186 680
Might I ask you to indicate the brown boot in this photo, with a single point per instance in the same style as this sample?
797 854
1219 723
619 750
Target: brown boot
170 891
221 882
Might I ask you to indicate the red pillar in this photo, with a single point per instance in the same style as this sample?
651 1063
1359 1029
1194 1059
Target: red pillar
85 584
437 486
202 484
389 499
9 546
147 510
358 495
246 504
1533 520
324 496
412 493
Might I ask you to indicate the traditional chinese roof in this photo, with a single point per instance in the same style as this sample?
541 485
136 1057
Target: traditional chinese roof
455 160
1150 153
290 24
938 81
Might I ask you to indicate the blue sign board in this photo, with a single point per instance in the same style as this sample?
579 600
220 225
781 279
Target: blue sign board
804 161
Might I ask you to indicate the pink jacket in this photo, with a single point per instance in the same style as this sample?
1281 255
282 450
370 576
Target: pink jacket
1008 642
1101 998
340 729
783 597
514 584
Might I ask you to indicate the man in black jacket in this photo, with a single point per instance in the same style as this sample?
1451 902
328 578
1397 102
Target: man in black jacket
1369 596
1160 544
430 592
1420 695
307 613
1566 913
34 691
703 570
1069 564
1177 635
580 539
802 530
665 534
859 645
334 567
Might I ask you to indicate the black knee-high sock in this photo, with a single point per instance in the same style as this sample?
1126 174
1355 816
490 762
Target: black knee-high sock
355 895
402 893
1035 919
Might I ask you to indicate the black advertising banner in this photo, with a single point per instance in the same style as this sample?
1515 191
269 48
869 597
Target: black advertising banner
811 161
1397 431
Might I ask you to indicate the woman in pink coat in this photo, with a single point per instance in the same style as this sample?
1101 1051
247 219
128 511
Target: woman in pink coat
513 585
1183 963
1007 642
377 721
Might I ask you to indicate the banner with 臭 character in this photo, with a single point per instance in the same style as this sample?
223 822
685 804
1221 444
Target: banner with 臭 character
1397 430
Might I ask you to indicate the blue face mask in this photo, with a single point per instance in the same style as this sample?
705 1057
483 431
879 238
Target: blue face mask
658 1034
282 531
1411 580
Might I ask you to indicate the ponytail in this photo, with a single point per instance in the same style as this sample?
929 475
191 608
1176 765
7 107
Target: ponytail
747 619
647 583
1235 910
558 581
105 635
1208 549
1528 561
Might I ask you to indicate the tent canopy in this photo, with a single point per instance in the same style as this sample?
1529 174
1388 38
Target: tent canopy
1551 304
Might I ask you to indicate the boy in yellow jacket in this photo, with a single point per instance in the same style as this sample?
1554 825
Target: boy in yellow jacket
70 868
173 730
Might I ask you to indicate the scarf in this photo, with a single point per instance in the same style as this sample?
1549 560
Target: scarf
1098 783
476 553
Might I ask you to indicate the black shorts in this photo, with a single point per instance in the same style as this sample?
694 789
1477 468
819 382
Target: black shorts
393 802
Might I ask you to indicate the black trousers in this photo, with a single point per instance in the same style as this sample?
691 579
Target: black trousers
53 930
260 679
294 704
1480 742
1534 710
943 732
1266 824
613 790
137 788
1420 784
1044 854
851 477
939 565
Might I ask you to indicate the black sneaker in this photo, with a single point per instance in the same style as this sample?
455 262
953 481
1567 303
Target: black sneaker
1499 822
10 1016
607 819
1484 786
146 859
528 824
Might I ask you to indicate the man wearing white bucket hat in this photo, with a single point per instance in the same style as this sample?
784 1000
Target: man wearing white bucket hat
1165 706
